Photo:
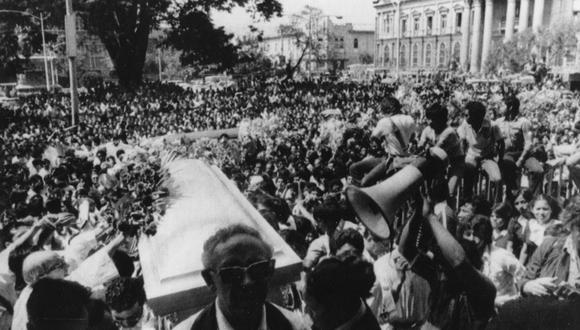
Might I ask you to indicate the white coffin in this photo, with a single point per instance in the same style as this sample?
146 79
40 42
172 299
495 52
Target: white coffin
171 260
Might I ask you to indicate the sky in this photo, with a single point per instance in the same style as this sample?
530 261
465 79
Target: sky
359 12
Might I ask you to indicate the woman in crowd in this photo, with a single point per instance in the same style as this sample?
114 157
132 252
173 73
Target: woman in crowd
500 217
545 213
518 225
498 264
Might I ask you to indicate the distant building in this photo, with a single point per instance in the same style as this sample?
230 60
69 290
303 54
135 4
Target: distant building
281 49
430 34
340 45
92 59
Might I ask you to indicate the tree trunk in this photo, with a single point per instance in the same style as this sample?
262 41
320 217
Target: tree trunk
127 43
290 72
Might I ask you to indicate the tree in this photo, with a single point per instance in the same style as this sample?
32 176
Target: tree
200 43
553 42
366 58
20 34
307 36
251 58
513 54
124 26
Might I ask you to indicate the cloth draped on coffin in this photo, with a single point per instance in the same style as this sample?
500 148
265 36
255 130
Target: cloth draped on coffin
204 201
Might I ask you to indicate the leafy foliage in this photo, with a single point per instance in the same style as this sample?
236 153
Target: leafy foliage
514 54
20 33
366 58
306 36
124 27
193 33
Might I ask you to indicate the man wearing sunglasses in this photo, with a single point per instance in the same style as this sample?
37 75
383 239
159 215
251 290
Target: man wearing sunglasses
238 267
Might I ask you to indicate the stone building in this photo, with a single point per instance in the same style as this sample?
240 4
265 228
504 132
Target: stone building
339 45
441 34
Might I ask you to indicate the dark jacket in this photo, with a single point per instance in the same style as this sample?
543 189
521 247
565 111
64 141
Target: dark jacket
549 260
207 319
367 322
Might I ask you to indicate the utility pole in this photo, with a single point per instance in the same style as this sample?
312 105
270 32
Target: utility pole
71 51
159 62
44 52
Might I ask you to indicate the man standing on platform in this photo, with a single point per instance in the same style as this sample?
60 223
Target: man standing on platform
517 131
482 142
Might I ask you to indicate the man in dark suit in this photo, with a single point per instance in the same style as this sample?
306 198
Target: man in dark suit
238 266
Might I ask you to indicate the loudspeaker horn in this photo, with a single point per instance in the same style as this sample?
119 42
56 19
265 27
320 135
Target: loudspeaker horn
376 206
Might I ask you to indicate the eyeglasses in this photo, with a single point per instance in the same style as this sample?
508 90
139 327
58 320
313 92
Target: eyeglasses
520 202
58 265
258 271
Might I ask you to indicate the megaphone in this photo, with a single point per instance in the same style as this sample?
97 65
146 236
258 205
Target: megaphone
376 206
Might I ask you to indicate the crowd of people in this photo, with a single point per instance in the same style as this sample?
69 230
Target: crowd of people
486 242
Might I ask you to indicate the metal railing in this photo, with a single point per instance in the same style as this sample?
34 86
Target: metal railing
556 182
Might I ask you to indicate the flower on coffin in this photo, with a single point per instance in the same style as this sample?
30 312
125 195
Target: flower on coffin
331 132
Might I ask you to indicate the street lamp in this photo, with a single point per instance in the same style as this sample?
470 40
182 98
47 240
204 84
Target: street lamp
41 19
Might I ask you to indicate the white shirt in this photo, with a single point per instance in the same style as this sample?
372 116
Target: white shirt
537 230
386 129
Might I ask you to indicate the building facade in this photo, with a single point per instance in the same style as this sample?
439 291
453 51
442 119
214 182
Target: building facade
281 49
443 34
338 45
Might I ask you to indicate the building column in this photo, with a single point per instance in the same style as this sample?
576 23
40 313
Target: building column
510 17
524 13
487 24
538 14
463 56
476 36
397 28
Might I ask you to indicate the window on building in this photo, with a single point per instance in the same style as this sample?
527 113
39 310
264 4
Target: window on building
442 55
80 25
383 23
355 43
389 23
428 55
443 22
387 56
402 54
404 26
458 17
429 24
456 51
415 55
416 24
